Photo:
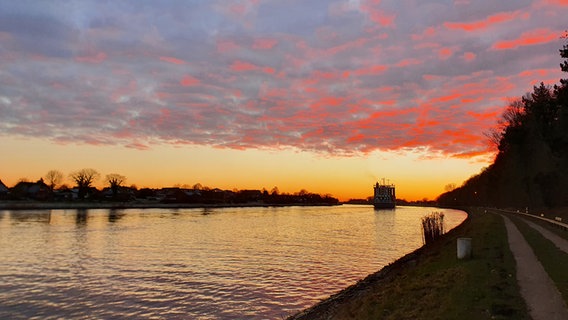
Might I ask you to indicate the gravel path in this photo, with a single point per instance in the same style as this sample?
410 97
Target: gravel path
540 293
560 242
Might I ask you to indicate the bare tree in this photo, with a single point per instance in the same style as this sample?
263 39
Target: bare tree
274 191
53 178
84 179
450 187
115 181
512 117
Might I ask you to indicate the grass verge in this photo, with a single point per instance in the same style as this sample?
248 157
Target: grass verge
552 259
436 285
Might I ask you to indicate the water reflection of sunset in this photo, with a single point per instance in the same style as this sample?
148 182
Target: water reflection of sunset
254 263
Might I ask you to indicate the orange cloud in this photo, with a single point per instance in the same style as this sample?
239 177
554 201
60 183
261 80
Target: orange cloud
327 101
357 138
172 60
472 154
446 98
530 38
489 115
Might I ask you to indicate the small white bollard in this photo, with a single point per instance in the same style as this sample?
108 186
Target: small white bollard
464 248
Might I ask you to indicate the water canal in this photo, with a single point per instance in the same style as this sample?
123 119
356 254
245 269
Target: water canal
227 263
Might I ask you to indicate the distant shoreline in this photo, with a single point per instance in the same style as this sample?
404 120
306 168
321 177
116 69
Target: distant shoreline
33 205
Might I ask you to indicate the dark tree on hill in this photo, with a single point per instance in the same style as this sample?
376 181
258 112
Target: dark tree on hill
541 110
529 169
84 179
115 181
564 55
561 93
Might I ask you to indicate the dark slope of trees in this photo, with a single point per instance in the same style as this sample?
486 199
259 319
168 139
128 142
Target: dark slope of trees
531 166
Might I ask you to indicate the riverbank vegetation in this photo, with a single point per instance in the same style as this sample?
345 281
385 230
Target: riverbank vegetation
529 170
432 283
432 227
51 190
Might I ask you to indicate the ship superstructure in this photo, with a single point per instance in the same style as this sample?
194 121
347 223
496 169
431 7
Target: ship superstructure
384 196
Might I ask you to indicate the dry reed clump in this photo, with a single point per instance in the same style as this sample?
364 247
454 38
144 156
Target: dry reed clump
432 227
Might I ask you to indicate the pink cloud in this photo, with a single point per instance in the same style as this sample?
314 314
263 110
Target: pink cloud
469 56
239 66
264 43
268 70
137 145
535 73
226 46
408 62
317 83
557 2
427 33
371 70
490 21
97 58
243 66
124 91
350 45
172 60
380 17
188 80
529 38
445 53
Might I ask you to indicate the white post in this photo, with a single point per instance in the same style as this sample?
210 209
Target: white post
464 248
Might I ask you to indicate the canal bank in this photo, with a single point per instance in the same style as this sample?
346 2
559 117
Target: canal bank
431 283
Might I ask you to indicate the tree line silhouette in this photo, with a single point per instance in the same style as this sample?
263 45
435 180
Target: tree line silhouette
50 188
530 168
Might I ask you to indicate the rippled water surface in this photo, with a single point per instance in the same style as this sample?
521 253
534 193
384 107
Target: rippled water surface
229 263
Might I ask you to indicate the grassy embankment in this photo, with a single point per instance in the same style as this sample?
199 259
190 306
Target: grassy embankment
552 259
435 285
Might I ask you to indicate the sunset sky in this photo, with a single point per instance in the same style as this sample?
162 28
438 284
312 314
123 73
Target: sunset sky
322 95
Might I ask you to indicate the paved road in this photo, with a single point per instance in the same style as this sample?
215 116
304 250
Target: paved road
539 291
